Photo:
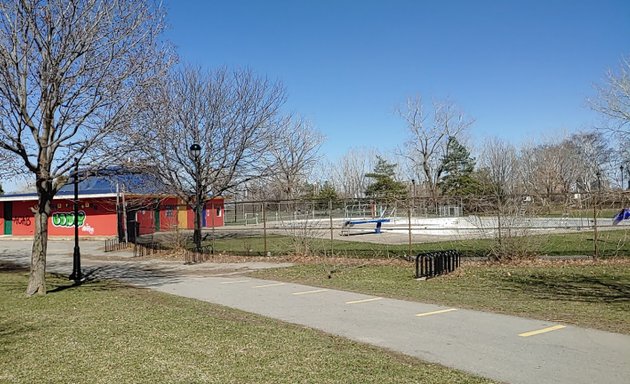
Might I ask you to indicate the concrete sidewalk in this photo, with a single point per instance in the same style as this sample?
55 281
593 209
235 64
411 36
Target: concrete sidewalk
505 348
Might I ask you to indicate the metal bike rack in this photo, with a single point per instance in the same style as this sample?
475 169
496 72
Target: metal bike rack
431 264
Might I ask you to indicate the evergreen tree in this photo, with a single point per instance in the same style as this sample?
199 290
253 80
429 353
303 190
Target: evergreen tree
324 193
1 190
327 192
308 191
458 168
385 186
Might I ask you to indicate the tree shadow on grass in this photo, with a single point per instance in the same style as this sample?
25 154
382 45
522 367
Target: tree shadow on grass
9 266
116 275
578 288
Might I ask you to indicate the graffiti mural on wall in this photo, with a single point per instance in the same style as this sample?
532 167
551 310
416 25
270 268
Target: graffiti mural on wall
22 220
66 219
87 228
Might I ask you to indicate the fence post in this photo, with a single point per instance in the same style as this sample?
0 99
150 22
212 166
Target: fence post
264 215
332 242
409 226
213 212
595 234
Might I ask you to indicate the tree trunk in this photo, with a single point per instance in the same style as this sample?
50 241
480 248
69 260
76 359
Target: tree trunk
37 277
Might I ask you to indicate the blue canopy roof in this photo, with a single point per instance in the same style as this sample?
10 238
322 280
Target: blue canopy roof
104 183
100 184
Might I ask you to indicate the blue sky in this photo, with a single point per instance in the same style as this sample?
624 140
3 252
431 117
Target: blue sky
522 69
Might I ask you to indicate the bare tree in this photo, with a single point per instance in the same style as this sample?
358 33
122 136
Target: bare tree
564 166
294 152
429 134
348 174
69 72
232 116
548 169
8 168
588 153
613 100
500 160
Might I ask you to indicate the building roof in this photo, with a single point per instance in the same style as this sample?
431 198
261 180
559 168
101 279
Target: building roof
102 184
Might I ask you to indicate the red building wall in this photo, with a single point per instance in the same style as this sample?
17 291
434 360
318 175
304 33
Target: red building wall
214 214
168 215
146 221
97 217
23 218
167 211
1 218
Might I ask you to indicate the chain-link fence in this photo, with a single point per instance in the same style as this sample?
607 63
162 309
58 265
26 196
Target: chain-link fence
499 226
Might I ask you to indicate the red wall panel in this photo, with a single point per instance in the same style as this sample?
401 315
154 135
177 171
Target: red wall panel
211 214
214 213
1 218
146 221
97 217
168 215
23 218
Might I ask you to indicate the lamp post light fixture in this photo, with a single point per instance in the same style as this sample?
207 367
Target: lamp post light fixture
195 151
76 275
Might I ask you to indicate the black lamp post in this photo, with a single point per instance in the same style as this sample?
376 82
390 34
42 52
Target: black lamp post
621 171
195 151
599 181
76 256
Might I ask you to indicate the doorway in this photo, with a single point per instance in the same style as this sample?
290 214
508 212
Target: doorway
8 218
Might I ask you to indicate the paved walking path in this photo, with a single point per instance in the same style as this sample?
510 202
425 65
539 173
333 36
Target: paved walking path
505 348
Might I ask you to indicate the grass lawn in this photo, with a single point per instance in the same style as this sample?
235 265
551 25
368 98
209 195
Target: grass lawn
109 333
585 294
611 243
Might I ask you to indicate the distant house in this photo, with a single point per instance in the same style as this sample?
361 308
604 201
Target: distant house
105 201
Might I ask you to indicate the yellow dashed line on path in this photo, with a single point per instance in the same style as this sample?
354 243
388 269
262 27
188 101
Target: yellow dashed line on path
309 292
436 312
363 301
269 285
544 330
